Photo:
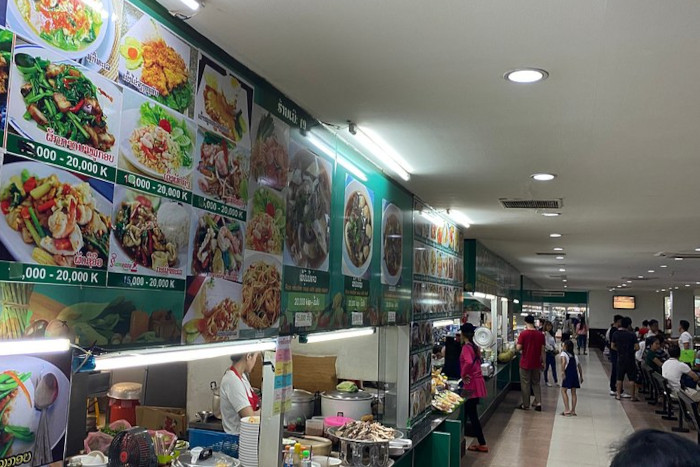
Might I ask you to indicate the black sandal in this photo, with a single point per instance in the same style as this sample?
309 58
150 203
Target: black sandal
522 407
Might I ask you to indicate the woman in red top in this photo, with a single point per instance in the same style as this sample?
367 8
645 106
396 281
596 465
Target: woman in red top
473 385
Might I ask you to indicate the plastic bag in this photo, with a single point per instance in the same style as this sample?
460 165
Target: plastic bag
97 441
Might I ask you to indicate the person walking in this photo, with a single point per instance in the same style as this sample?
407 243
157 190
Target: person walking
532 362
581 335
571 377
624 342
617 322
550 348
473 385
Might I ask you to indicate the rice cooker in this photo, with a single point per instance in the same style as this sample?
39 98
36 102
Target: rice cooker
353 405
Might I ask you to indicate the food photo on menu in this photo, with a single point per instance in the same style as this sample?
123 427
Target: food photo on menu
222 169
156 141
52 216
217 245
262 290
57 102
213 310
155 62
266 222
223 102
358 229
269 158
307 239
150 235
392 244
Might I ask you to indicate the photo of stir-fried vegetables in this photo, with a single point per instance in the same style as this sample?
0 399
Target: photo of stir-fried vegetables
217 247
68 25
56 214
12 386
61 98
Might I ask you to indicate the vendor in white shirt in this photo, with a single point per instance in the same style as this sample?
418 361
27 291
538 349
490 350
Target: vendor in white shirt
238 400
685 341
673 370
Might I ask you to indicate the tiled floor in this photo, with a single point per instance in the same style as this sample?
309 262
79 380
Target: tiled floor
532 439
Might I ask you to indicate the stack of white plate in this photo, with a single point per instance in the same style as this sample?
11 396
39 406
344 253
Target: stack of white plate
248 442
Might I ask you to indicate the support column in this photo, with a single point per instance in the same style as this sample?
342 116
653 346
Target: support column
683 307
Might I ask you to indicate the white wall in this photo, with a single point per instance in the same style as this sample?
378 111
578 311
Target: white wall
199 374
357 357
650 305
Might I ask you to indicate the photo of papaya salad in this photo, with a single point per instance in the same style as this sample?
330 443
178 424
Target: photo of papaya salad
222 170
51 95
217 247
74 27
158 143
151 231
265 229
52 217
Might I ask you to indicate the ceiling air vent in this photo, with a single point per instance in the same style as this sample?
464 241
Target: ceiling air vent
637 278
546 253
516 203
671 254
547 293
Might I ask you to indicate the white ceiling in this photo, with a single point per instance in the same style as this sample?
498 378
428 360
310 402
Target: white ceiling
618 120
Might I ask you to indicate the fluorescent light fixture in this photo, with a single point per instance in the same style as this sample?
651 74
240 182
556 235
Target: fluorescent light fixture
678 259
431 216
488 296
515 300
640 277
145 357
327 150
687 285
524 314
443 323
526 75
560 257
629 282
479 295
332 336
650 271
558 248
193 5
566 286
676 287
562 270
663 290
459 218
34 346
554 235
697 249
382 152
564 280
543 177
663 266
551 214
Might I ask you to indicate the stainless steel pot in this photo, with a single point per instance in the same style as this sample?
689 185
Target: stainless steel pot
215 400
353 405
302 406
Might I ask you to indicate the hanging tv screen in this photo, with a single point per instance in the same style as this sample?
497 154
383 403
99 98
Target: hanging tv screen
624 302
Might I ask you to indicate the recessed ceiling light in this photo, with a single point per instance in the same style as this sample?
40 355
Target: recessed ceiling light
526 75
624 285
678 259
554 235
697 249
676 287
543 177
640 277
629 282
663 266
687 285
557 248
562 270
564 280
650 271
657 290
565 286
560 257
663 290
551 214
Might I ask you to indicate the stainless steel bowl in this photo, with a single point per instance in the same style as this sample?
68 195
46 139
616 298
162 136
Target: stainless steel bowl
204 415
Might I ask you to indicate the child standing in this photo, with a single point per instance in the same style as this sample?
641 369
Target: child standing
571 377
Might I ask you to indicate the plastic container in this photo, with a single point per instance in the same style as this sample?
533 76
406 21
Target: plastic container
220 441
314 427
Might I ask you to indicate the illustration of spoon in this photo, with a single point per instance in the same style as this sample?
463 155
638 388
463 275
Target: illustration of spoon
45 395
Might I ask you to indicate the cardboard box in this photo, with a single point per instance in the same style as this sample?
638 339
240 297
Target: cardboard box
170 419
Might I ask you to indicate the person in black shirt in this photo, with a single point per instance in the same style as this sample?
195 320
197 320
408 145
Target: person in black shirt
617 320
624 342
452 351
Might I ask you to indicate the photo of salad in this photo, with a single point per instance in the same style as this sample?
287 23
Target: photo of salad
74 27
156 62
217 246
22 433
52 98
52 217
269 160
6 38
308 210
215 311
157 142
265 229
222 170
152 232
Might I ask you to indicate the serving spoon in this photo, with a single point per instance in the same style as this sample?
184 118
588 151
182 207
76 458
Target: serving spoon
45 395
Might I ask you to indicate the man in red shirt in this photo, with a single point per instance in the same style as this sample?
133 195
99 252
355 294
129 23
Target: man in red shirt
532 358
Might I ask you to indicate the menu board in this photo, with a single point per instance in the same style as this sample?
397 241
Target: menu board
130 168
31 436
438 267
